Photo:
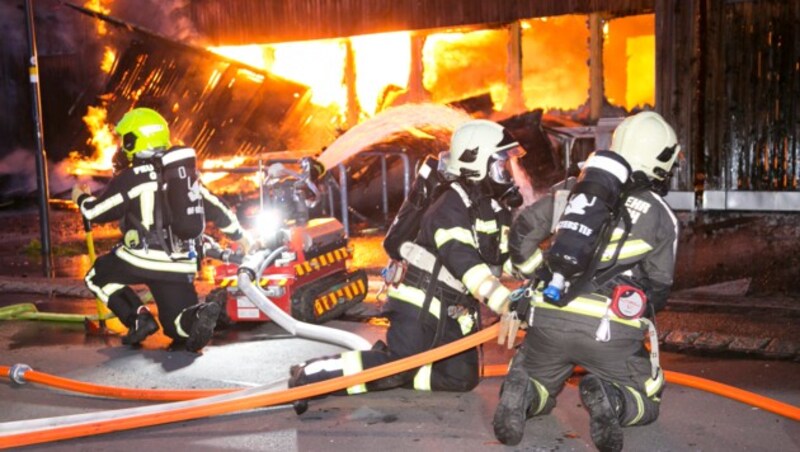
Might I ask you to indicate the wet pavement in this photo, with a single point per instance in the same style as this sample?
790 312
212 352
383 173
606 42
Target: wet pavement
748 342
256 354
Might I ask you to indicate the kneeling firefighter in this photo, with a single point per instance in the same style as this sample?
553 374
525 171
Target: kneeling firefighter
607 305
162 209
453 264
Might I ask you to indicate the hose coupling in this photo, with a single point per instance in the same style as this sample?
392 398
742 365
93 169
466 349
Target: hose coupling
17 373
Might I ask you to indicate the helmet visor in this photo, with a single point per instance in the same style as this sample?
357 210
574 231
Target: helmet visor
500 166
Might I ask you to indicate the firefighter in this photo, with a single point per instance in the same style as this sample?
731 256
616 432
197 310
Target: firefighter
453 264
132 197
602 328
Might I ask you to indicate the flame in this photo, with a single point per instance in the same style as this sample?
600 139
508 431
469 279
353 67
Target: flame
109 57
629 62
461 65
102 139
554 56
219 164
381 60
99 6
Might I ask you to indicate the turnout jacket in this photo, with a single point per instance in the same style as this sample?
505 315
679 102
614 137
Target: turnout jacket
468 232
648 252
130 197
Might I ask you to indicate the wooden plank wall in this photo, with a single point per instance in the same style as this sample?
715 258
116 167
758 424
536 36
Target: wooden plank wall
236 22
754 111
728 79
677 69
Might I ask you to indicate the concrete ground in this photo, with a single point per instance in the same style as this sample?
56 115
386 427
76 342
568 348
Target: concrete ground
749 342
257 354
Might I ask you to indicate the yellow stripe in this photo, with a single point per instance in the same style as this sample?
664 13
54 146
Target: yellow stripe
543 395
361 286
532 263
102 207
422 379
156 260
585 306
352 364
414 296
348 293
630 249
474 277
486 227
639 406
462 235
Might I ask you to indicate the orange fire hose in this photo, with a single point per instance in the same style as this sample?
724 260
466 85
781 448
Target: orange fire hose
304 392
158 395
256 401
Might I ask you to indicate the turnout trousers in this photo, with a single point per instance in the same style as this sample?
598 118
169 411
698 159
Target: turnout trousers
109 280
558 341
411 332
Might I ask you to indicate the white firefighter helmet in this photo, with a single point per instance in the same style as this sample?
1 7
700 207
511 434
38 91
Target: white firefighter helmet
648 143
473 144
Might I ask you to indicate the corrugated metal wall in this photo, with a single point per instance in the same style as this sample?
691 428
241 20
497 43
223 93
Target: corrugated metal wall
234 22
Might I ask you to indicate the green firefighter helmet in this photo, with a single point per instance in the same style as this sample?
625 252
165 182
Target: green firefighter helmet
142 129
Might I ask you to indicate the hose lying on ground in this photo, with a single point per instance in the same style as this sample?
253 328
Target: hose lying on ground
37 431
51 429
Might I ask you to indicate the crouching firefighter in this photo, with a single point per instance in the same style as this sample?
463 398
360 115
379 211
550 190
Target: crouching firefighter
606 307
162 209
451 265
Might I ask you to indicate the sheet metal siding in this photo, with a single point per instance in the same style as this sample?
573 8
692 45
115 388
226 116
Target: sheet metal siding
234 22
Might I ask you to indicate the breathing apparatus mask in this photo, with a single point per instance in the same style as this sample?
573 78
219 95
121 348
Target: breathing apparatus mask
500 179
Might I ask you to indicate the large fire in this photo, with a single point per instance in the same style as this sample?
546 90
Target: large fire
356 77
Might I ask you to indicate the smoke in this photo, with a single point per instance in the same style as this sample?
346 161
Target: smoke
171 18
18 176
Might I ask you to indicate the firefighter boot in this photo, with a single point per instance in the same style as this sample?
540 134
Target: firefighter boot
604 402
203 326
143 326
516 399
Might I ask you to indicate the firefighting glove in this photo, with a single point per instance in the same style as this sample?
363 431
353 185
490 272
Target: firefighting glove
79 190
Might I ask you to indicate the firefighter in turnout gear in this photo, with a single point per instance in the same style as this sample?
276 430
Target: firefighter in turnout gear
453 265
153 251
602 326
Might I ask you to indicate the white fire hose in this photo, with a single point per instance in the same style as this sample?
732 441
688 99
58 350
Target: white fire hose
252 265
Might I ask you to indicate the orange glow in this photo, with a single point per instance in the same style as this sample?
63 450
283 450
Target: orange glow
461 65
217 164
629 62
554 55
99 6
109 57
